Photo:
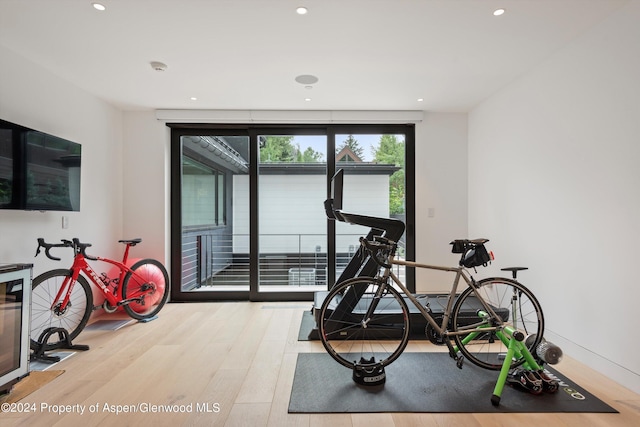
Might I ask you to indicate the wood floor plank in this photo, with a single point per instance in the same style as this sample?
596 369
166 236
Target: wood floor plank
524 420
218 398
260 384
247 340
279 416
249 415
330 420
418 420
372 420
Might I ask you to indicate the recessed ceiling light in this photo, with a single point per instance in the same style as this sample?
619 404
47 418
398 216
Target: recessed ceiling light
420 99
193 98
307 99
302 10
98 6
498 12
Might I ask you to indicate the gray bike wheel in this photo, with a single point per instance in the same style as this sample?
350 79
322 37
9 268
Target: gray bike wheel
513 303
45 313
350 338
151 284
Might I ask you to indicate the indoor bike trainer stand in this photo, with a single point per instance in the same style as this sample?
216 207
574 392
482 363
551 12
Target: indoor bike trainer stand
64 342
369 375
545 352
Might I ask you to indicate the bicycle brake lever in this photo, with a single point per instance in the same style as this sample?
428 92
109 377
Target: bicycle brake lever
40 242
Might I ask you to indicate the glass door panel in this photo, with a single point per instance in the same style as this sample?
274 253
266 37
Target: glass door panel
292 224
215 213
374 185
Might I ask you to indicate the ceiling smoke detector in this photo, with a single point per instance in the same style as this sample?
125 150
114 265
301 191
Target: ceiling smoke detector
307 79
158 66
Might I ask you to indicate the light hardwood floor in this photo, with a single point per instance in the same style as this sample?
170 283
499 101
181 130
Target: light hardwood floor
237 360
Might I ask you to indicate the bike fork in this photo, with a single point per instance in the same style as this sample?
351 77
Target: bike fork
374 304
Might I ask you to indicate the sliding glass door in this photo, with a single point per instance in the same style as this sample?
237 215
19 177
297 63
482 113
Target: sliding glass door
248 219
374 185
211 174
292 186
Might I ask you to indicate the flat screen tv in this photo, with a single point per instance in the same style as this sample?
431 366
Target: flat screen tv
38 171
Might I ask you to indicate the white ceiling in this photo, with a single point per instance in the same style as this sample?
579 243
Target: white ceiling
245 54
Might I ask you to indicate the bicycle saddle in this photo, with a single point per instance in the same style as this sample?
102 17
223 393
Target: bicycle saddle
131 242
514 270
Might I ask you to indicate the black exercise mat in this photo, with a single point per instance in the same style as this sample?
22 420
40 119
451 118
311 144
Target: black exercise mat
308 329
424 382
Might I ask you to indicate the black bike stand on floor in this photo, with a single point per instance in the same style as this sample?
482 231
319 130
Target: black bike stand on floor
64 342
369 375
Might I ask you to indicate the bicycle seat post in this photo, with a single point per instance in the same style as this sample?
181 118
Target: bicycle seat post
128 243
514 271
125 257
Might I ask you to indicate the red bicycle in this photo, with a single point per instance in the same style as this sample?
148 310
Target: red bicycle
57 301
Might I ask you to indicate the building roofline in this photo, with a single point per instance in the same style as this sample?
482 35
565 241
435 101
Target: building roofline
350 168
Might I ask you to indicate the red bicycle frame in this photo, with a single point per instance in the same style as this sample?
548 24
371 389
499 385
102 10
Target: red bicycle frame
80 264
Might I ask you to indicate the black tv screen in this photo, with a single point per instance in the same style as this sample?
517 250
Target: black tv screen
38 171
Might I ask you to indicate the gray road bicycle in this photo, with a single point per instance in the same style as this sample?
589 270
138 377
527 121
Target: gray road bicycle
365 321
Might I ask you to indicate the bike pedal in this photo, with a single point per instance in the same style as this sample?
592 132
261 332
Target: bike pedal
459 362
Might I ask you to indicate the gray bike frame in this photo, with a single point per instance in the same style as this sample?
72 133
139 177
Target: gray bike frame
460 273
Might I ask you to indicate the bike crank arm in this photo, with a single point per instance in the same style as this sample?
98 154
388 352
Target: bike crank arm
453 352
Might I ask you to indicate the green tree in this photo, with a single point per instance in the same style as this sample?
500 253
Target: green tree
277 149
390 151
309 155
282 149
353 145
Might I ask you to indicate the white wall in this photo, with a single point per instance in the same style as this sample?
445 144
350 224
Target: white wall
441 185
554 181
145 193
33 97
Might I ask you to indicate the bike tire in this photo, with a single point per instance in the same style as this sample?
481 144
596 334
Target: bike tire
513 303
44 290
155 275
354 341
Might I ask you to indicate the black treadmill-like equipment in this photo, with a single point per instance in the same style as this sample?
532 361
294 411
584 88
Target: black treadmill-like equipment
362 265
